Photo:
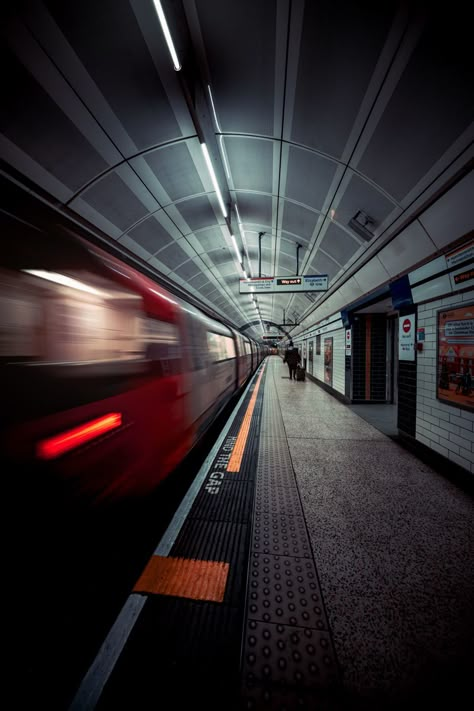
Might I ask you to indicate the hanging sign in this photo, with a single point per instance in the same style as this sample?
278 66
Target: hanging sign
258 285
461 254
462 278
406 337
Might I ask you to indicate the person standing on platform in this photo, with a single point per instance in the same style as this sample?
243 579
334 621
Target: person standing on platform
292 358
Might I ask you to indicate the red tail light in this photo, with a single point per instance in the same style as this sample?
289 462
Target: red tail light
55 446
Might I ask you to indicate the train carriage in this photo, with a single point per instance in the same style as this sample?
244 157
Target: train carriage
108 380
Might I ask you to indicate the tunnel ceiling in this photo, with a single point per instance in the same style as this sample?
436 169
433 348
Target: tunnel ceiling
318 113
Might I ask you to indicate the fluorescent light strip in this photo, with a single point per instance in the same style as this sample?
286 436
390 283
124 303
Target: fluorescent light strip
63 280
227 169
167 34
242 234
214 179
239 258
213 108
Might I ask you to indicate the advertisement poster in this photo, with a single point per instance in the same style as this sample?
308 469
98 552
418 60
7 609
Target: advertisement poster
328 361
456 356
406 337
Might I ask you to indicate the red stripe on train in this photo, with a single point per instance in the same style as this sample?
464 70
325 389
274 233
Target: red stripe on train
55 446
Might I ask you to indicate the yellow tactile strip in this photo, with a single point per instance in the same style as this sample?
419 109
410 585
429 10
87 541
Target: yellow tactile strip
183 577
235 460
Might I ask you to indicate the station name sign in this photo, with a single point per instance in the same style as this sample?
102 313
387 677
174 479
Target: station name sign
268 285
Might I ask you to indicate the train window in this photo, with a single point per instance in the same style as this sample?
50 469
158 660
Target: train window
220 347
162 346
196 344
50 318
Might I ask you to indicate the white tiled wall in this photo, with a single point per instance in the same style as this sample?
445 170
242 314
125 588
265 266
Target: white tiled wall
338 359
442 427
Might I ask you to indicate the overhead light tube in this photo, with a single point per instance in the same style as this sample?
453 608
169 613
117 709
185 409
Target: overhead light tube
167 34
207 158
213 109
242 234
236 249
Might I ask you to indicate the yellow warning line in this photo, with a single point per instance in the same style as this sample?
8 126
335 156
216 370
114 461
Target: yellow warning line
184 577
235 460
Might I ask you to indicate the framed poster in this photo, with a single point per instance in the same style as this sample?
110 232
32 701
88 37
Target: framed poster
328 361
455 356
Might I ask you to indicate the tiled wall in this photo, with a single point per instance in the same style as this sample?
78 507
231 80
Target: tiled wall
444 428
338 359
406 411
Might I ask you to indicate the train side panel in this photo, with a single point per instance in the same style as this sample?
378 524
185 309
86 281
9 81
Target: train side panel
108 380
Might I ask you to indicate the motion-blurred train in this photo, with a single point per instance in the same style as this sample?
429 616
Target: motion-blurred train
108 380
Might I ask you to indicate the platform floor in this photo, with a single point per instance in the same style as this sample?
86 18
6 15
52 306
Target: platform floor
337 572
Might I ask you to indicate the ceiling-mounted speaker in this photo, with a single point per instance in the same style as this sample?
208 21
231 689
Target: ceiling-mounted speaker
361 224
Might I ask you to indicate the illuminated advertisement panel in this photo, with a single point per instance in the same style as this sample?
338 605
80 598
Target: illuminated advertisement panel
328 361
456 356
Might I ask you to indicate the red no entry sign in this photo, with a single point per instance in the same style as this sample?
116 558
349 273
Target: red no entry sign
406 325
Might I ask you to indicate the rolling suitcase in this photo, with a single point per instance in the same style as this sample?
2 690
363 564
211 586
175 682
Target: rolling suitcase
300 373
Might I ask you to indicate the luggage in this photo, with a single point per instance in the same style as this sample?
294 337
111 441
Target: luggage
300 373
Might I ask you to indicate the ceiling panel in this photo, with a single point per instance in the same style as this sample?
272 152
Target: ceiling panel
150 234
340 45
198 281
107 40
175 170
299 220
198 212
255 209
429 109
172 255
358 194
114 199
44 132
323 264
252 163
308 177
339 244
240 49
187 270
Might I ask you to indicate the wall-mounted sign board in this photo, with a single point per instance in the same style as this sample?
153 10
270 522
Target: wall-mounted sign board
406 337
268 285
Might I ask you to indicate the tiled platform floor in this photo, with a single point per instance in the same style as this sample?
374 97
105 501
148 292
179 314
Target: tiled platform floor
393 543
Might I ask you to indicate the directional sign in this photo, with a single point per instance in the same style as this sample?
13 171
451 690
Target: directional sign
267 285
